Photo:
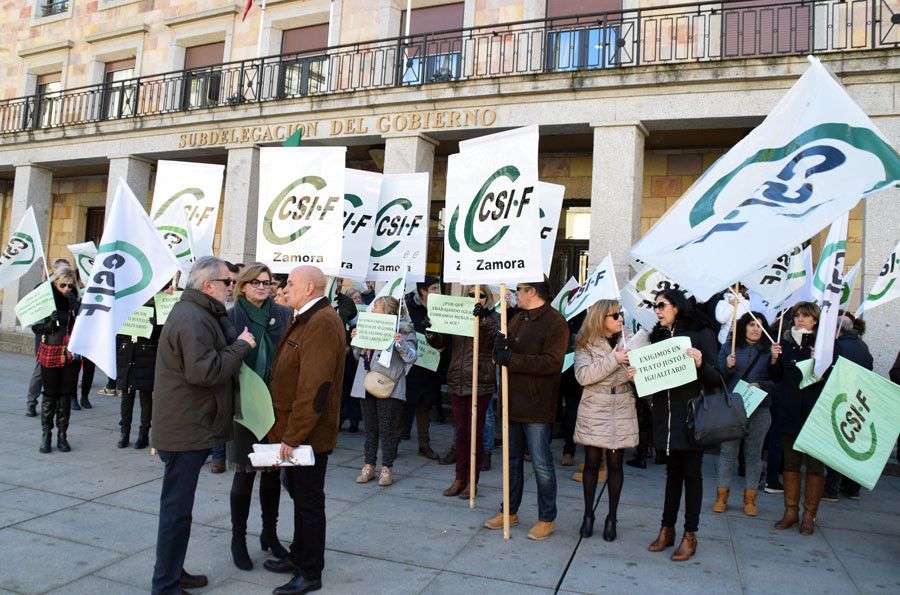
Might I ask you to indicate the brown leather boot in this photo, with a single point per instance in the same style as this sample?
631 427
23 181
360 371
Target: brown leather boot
750 503
455 489
815 486
666 538
791 500
687 547
721 500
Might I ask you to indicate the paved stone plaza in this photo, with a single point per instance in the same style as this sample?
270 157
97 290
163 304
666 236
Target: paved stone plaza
85 522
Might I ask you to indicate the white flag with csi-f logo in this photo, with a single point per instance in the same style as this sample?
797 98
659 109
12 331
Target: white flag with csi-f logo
199 188
175 230
829 284
23 249
493 182
887 284
301 208
362 191
812 159
131 265
84 255
601 284
400 237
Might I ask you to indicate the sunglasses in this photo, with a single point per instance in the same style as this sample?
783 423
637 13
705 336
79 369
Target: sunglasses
225 282
522 288
471 295
614 315
258 283
66 286
661 305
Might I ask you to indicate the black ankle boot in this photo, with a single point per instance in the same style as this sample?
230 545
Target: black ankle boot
124 439
46 437
61 443
239 554
268 542
587 526
609 529
85 402
143 440
75 405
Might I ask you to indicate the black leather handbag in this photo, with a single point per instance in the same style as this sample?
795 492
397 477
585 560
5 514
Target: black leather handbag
716 417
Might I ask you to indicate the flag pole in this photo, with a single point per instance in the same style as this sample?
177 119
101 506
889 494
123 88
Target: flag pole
259 39
755 319
734 319
504 403
473 429
780 324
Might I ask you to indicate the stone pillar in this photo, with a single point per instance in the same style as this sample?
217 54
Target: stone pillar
409 154
616 192
239 214
30 189
136 173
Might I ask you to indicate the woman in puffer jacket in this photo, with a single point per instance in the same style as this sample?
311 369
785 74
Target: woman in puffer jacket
678 318
380 415
607 418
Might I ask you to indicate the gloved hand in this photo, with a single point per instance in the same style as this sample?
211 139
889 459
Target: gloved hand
502 354
480 311
426 322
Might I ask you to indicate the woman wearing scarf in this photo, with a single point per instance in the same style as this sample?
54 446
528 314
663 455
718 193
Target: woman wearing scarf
256 310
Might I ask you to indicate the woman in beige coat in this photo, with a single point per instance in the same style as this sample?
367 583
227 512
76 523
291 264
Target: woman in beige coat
607 418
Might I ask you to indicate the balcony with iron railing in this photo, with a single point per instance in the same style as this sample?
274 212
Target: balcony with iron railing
53 7
686 33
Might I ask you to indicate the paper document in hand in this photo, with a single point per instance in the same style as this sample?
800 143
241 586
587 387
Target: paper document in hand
269 455
752 396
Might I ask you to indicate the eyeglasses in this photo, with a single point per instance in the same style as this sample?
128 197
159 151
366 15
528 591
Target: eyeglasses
522 288
225 282
661 305
258 283
471 295
614 315
66 286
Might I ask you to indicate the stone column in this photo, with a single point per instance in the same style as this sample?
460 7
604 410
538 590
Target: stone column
616 192
136 173
238 240
30 189
409 154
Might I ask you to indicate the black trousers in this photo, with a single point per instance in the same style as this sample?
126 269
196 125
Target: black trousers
683 469
308 491
126 409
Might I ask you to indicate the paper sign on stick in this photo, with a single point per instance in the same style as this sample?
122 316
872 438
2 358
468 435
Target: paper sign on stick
374 331
138 324
426 356
400 240
197 187
662 365
752 396
36 305
451 314
164 303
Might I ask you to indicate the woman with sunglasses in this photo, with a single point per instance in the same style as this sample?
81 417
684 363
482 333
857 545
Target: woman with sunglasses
678 318
59 367
607 418
267 321
459 385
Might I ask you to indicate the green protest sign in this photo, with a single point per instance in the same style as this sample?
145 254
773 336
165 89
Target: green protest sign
854 423
362 308
568 361
451 315
164 303
752 396
806 371
257 414
374 331
662 365
138 324
426 356
36 305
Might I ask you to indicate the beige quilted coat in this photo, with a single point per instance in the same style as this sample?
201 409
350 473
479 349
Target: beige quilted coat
605 419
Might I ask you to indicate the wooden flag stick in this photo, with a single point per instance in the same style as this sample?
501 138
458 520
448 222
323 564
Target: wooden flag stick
473 429
504 403
780 325
734 319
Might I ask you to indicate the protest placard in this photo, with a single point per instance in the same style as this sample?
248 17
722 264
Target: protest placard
257 414
164 303
426 356
451 315
662 365
568 361
807 377
374 331
854 423
138 324
752 396
36 305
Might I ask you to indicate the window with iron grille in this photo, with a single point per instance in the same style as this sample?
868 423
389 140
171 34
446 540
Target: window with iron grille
304 67
432 58
119 89
202 76
53 7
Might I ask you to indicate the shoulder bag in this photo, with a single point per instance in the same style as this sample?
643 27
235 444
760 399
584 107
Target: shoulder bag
716 417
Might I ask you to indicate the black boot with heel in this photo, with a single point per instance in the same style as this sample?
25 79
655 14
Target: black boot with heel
587 526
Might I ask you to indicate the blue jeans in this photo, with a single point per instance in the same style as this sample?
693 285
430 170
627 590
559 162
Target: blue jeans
537 438
218 452
758 427
176 504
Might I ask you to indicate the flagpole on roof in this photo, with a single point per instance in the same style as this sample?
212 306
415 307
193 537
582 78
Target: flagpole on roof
259 40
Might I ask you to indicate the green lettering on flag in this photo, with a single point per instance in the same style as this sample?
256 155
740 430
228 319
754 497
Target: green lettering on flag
36 305
451 314
426 356
854 424
257 413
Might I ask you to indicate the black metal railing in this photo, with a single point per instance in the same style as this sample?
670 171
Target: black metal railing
52 7
685 33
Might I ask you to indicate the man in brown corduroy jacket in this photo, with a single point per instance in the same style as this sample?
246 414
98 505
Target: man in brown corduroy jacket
306 394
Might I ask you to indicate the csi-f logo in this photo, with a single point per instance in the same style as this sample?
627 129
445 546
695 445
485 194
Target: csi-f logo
848 420
19 250
85 263
793 191
393 223
120 269
177 240
888 269
835 283
296 203
575 299
654 283
197 213
354 221
495 205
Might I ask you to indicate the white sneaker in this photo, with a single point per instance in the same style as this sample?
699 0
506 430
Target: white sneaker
367 474
387 477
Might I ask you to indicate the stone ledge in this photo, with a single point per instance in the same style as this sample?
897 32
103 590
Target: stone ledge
46 48
199 16
12 342
141 29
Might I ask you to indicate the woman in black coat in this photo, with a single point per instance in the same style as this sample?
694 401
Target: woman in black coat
256 310
678 318
792 406
59 367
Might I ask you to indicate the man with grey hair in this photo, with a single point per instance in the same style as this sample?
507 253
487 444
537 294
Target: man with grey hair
197 365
